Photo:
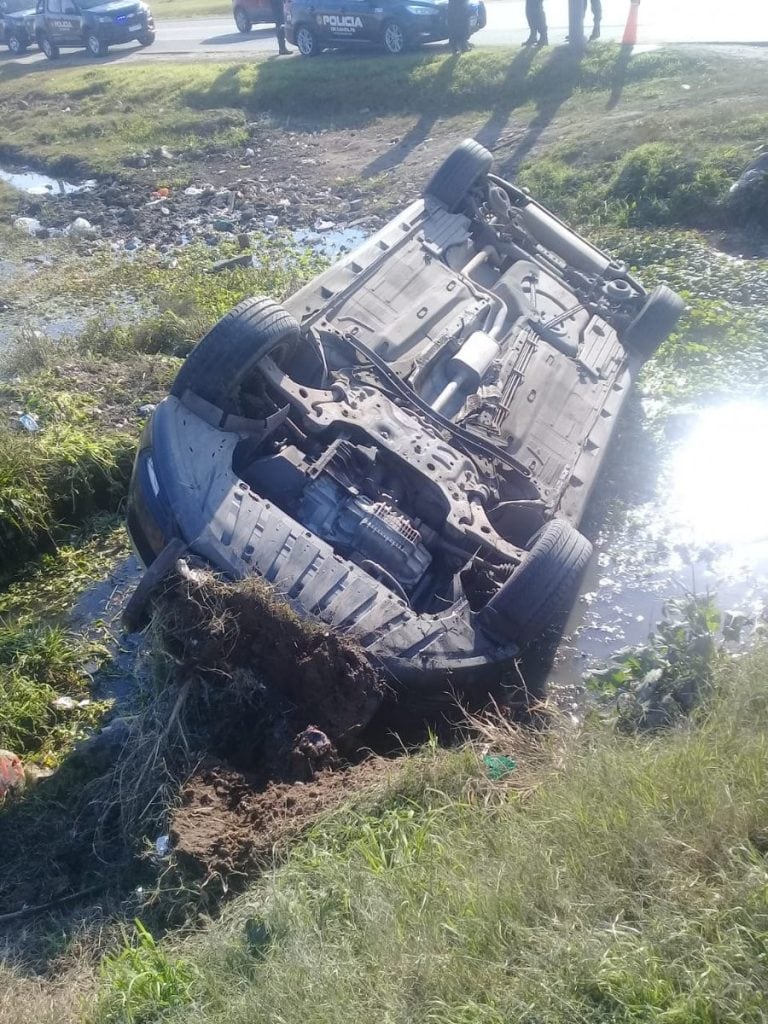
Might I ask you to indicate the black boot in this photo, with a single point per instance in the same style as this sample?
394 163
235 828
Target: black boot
282 49
531 40
543 40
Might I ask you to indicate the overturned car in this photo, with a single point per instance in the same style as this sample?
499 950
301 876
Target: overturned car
406 448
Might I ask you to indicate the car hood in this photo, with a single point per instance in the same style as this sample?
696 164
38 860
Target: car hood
116 7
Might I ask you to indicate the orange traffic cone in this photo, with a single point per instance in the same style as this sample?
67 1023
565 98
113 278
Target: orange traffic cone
630 30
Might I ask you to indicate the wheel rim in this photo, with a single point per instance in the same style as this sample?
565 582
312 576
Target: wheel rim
305 41
93 45
14 45
241 21
46 45
394 39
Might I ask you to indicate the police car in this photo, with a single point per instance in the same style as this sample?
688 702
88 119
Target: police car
17 29
397 25
94 24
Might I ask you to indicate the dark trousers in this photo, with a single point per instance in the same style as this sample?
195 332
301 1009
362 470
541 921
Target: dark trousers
458 25
537 21
278 13
597 11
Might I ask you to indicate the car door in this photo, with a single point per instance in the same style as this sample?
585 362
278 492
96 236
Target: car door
61 26
337 22
357 19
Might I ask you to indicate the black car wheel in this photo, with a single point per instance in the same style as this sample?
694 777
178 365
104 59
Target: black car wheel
242 21
307 41
229 353
542 587
17 44
50 49
95 46
458 173
655 321
146 38
394 38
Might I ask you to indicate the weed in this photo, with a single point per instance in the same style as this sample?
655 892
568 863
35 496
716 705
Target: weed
38 665
141 981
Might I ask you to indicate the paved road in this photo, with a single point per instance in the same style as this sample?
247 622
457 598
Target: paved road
660 21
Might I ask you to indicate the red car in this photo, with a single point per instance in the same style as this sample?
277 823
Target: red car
248 13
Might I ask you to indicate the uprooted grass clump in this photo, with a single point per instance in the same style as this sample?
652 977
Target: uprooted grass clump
610 878
217 630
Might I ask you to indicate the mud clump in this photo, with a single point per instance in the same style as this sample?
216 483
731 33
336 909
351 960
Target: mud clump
244 638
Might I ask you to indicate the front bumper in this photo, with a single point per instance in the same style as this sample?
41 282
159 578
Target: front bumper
126 30
184 488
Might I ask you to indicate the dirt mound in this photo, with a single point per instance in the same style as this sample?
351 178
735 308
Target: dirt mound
225 828
241 636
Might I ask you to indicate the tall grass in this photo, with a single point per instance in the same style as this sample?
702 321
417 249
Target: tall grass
616 879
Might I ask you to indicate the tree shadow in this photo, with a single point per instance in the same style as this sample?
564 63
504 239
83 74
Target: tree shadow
619 76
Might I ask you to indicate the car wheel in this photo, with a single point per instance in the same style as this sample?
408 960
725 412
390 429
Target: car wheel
394 38
307 42
95 46
16 44
242 21
146 38
458 173
655 321
50 49
542 588
229 353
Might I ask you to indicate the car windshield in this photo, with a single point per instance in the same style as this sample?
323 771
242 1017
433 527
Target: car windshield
86 5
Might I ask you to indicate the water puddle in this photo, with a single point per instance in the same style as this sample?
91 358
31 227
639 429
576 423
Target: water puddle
331 243
703 529
36 184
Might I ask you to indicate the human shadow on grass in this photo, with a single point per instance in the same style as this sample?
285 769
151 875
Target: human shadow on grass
551 86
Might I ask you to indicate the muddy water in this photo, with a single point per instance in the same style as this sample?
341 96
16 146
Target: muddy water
36 184
685 514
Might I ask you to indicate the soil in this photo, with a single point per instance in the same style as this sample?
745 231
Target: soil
226 828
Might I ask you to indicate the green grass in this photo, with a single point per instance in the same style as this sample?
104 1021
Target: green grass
614 879
92 119
37 665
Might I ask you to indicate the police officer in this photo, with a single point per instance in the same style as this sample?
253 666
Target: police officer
597 17
458 25
278 13
537 23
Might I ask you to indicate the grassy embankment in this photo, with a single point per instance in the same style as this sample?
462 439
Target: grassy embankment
616 879
609 879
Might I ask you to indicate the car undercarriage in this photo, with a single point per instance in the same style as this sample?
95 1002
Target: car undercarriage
406 448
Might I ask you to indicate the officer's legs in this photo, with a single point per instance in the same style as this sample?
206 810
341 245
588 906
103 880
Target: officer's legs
537 22
597 17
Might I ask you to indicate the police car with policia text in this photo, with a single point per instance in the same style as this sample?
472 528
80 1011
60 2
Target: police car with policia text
94 24
397 25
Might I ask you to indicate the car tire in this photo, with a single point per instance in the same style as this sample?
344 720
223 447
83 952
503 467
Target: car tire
242 21
395 38
146 39
655 321
95 46
50 49
307 41
229 353
458 173
543 586
17 45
